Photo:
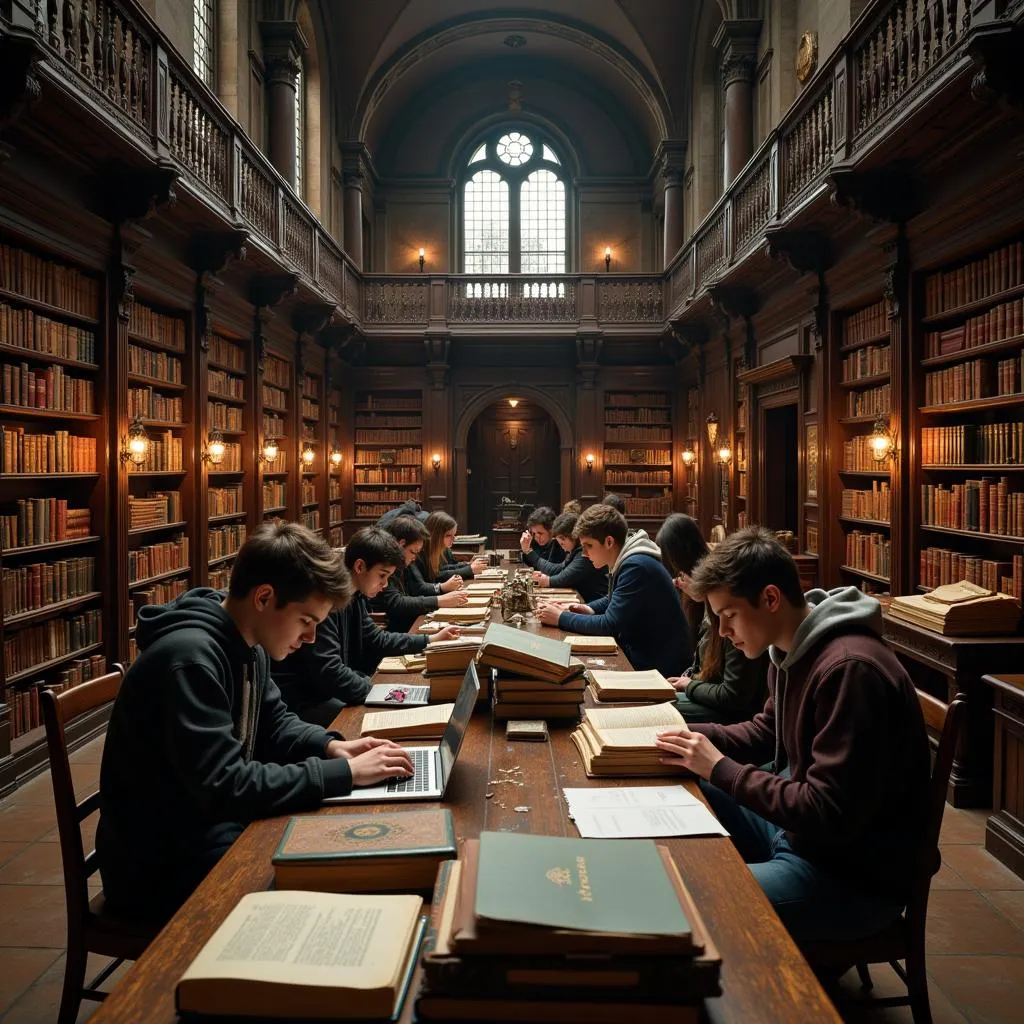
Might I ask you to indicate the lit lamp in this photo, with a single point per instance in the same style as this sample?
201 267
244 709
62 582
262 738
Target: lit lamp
689 456
724 454
882 441
590 462
513 402
215 448
423 256
135 447
711 424
270 450
335 458
308 455
435 461
607 258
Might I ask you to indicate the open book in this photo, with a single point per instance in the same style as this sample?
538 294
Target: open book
610 685
580 644
307 954
620 741
408 723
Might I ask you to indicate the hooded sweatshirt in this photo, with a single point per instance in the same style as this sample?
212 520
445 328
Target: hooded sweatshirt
642 610
199 744
580 574
844 732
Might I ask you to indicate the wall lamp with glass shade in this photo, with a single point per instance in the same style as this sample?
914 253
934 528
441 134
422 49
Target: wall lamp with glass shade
270 451
882 441
135 446
307 455
215 448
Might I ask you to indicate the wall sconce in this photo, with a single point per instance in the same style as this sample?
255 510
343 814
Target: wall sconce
435 461
135 447
590 462
725 455
712 428
335 458
308 455
270 451
215 448
689 456
423 256
607 258
882 441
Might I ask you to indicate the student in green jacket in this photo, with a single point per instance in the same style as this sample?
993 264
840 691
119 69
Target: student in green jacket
721 684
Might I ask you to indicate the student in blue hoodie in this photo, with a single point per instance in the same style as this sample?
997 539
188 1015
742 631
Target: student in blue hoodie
576 572
641 610
200 742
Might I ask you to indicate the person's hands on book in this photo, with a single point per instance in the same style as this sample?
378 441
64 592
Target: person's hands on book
381 761
454 600
680 682
448 633
525 540
692 750
478 564
452 583
541 580
549 613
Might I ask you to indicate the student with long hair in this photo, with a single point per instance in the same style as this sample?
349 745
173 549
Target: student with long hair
721 685
436 562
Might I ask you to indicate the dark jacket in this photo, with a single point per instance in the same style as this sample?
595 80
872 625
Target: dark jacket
642 611
349 647
404 599
199 744
735 694
450 566
579 573
407 508
843 716
545 557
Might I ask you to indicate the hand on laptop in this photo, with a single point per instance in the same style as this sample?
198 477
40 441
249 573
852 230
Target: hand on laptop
378 761
448 633
454 600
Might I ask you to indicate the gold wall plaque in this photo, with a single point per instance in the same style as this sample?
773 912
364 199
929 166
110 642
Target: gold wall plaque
806 56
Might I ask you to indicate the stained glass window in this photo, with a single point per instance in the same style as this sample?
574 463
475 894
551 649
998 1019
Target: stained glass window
514 149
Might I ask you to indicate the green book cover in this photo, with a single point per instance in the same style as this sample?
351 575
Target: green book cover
334 837
600 885
520 641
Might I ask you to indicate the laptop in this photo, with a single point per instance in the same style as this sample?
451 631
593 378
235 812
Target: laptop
432 766
397 695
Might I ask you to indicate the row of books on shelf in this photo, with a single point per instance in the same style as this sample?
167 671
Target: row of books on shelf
979 378
867 503
387 436
638 433
308 492
810 531
275 493
148 363
363 510
152 405
150 325
48 281
224 385
637 399
34 586
637 416
227 353
309 432
391 475
46 388
277 372
987 275
973 444
274 398
409 421
225 501
231 460
59 452
155 593
871 322
873 402
26 713
618 476
311 520
310 386
309 409
996 324
867 362
219 578
223 417
402 457
43 521
871 552
858 456
336 536
36 645
166 454
273 426
224 540
334 490
154 559
984 506
25 329
648 506
368 401
641 456
940 566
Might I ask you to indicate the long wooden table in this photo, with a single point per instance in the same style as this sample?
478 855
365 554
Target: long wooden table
764 977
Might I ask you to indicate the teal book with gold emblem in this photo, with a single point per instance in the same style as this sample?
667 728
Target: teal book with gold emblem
618 886
389 851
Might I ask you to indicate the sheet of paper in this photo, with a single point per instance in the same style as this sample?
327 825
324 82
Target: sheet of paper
614 797
647 822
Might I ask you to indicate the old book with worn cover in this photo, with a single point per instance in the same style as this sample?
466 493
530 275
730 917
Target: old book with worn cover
611 685
620 741
580 644
530 654
364 852
310 955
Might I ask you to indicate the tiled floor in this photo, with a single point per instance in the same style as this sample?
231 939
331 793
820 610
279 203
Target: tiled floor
975 919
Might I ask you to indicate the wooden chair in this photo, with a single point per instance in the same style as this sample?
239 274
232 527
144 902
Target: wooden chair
91 927
904 939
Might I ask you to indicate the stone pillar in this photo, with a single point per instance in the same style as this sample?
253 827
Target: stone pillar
736 42
353 181
283 46
671 161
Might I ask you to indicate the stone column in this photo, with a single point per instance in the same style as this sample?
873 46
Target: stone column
353 181
736 42
671 161
283 46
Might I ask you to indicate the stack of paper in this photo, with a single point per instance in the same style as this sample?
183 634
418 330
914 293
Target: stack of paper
637 812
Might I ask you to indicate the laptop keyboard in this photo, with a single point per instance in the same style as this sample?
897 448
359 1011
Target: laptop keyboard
420 780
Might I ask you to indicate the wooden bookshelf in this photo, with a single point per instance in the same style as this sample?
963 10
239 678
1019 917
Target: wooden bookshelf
691 473
312 423
54 549
277 402
638 439
740 431
335 489
388 448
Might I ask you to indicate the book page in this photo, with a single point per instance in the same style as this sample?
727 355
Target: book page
406 718
647 822
664 716
308 938
610 679
615 797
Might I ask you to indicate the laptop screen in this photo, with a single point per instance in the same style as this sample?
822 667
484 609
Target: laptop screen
455 730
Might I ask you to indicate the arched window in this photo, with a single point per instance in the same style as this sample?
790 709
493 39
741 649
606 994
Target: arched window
514 206
203 16
300 134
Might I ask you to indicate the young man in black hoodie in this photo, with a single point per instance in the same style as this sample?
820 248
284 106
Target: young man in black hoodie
200 742
577 571
537 541
317 681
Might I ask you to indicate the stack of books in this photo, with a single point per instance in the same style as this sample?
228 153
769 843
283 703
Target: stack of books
535 676
590 644
959 609
446 662
610 685
541 928
467 615
620 741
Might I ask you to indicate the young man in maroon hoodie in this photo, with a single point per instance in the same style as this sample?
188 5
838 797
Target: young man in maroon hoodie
830 824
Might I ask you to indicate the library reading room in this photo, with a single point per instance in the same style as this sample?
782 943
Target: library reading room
606 423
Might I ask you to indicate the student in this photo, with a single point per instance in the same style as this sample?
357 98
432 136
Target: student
831 826
406 597
577 571
317 681
573 506
410 507
200 742
538 544
721 684
641 610
436 563
616 503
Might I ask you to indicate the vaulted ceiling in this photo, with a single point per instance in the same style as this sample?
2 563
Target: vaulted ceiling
413 77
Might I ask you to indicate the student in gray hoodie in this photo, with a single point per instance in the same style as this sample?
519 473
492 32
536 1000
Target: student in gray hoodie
831 826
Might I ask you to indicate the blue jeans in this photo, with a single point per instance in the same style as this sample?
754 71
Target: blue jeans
813 904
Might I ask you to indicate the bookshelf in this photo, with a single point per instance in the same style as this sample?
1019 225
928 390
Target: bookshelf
860 393
388 451
335 491
310 452
691 472
741 420
969 395
228 412
638 452
54 553
277 410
